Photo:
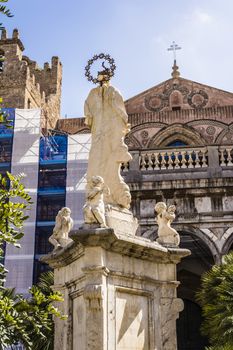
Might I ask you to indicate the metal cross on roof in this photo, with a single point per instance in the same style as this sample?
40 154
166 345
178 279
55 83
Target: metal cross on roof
174 47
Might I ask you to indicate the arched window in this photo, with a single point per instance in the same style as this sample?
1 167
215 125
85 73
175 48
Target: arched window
176 100
177 143
2 59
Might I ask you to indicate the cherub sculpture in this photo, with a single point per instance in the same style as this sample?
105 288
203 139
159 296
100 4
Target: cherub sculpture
63 225
167 235
94 209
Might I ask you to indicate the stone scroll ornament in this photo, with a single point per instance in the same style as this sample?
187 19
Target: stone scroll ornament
63 225
167 235
106 116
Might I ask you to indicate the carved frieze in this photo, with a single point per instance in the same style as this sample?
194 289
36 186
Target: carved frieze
156 103
196 99
210 130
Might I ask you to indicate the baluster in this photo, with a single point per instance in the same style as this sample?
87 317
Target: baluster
229 157
183 160
152 160
204 159
146 161
170 160
189 159
222 158
156 166
143 162
163 160
177 161
197 160
191 156
149 162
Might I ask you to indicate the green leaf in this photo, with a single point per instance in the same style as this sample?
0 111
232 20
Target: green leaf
216 299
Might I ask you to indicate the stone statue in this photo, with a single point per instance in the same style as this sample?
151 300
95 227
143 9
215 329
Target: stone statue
106 116
94 208
167 235
63 225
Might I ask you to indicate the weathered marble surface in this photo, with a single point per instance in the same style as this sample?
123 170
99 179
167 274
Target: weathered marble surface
121 220
167 235
120 292
63 225
94 208
106 116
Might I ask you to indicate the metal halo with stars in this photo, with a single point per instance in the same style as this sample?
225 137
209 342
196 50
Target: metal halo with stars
101 56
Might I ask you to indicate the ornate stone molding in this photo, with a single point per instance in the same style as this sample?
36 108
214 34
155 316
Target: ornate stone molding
203 99
208 122
131 141
174 132
163 102
94 295
128 245
64 256
196 99
163 98
226 133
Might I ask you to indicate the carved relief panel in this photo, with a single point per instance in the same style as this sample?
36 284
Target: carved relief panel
174 96
132 321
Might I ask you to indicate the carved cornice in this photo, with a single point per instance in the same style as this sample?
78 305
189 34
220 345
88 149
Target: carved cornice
184 115
107 239
64 256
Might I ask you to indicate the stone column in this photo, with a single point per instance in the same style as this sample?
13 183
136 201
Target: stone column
214 169
120 292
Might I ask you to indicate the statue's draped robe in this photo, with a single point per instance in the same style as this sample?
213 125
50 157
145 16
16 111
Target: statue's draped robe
106 116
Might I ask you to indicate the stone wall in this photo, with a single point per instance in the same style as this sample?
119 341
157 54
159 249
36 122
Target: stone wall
25 85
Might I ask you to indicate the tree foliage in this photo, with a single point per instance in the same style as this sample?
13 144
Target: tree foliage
224 347
14 202
5 120
4 11
29 321
26 321
216 298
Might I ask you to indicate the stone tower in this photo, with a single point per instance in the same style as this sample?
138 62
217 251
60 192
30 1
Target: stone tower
23 84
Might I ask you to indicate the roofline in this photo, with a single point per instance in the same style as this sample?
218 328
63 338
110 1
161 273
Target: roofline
168 80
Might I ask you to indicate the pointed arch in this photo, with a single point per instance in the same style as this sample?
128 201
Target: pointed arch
228 238
176 132
228 130
206 236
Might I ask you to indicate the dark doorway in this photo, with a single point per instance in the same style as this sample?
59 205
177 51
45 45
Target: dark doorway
188 328
189 273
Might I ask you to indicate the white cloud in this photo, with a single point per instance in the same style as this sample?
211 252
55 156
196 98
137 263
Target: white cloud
203 17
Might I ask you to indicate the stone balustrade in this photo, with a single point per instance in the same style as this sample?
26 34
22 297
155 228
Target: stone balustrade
174 159
226 156
183 158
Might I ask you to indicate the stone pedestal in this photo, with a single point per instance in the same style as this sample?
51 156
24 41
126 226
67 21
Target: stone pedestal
120 292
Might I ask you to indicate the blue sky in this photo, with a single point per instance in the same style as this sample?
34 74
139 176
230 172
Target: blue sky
136 33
